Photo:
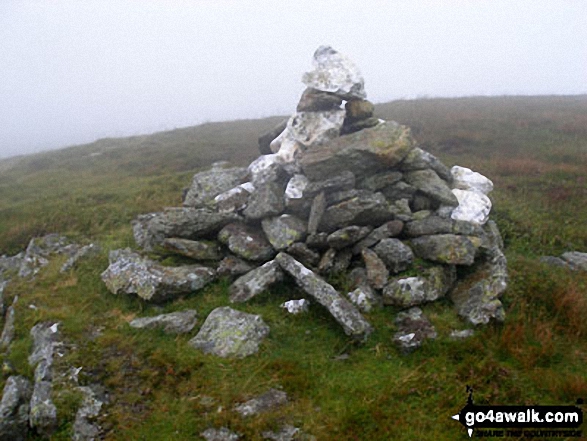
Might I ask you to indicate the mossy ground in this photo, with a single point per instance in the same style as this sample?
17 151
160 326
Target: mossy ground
534 150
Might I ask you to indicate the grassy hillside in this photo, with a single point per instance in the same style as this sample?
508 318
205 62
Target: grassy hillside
533 148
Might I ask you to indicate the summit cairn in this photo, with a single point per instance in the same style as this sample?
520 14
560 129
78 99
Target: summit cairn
336 190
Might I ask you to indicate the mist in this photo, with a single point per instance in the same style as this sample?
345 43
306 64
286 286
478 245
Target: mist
72 72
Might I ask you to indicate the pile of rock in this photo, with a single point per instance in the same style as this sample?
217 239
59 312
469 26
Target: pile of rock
337 190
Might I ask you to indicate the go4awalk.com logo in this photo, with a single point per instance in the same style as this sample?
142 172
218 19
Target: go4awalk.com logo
518 421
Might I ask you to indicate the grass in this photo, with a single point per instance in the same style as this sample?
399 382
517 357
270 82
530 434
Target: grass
533 148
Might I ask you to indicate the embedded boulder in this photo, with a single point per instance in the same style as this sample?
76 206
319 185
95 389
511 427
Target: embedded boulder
14 409
179 322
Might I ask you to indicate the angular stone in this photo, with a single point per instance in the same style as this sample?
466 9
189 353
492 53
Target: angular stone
428 226
400 210
268 401
315 128
379 181
43 413
364 153
287 433
229 333
399 190
342 261
296 306
413 329
364 209
81 253
302 253
353 323
412 291
198 250
267 168
421 202
364 298
44 335
317 241
222 434
360 125
209 184
182 222
8 330
246 242
235 199
335 73
389 229
40 249
575 260
284 230
326 264
313 100
461 335
85 427
474 207
266 138
466 179
267 200
129 273
396 255
316 212
419 159
445 248
428 182
347 236
377 272
340 182
296 186
233 266
554 261
357 110
179 322
14 409
255 282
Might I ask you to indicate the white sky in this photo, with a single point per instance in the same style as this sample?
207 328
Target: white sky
75 71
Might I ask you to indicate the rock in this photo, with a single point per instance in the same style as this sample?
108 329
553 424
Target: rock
399 190
396 255
340 182
326 264
179 322
445 248
335 73
287 433
40 249
389 229
420 202
14 409
43 413
81 253
294 191
413 291
267 168
233 266
357 110
313 100
314 128
45 336
360 125
364 153
364 298
198 250
554 261
466 179
342 261
347 236
235 199
247 242
461 335
353 323
428 226
419 159
3 285
210 183
302 253
267 200
152 229
266 138
316 212
268 401
317 241
400 209
366 208
222 434
576 260
413 329
84 427
284 230
255 282
428 182
377 272
129 273
8 330
296 306
379 181
473 207
229 333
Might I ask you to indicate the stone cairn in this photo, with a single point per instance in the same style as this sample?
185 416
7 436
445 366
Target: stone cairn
334 190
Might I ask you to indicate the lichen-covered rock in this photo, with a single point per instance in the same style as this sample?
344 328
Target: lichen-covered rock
287 433
129 273
317 210
235 199
575 260
396 255
399 190
365 298
357 110
268 401
466 179
377 272
284 230
179 322
445 248
429 183
198 250
40 249
43 413
267 200
419 159
8 330
314 128
347 236
233 266
208 184
353 323
80 253
313 100
14 409
255 282
389 229
413 329
302 253
366 208
379 181
412 291
267 168
335 73
474 207
45 336
330 184
364 153
428 226
222 434
229 333
247 242
85 428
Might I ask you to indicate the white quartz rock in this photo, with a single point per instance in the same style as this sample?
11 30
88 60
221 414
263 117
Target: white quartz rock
296 306
335 73
296 186
264 168
466 179
473 206
315 128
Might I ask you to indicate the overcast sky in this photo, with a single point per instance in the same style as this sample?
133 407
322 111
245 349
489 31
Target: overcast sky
75 71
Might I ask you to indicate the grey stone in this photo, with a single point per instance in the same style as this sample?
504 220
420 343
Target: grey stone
364 153
317 241
399 190
339 182
380 180
428 226
268 401
235 199
428 182
129 273
198 250
314 128
357 110
445 248
208 184
266 138
353 323
296 306
364 298
267 168
421 215
40 249
419 159
326 264
342 260
229 333
85 428
554 261
316 212
461 335
412 291
400 210
302 253
246 242
389 229
347 236
360 125
43 413
233 266
179 322
267 200
396 255
14 409
284 230
421 202
8 330
576 260
313 100
413 329
367 208
255 282
287 433
81 253
474 207
222 434
377 272
45 338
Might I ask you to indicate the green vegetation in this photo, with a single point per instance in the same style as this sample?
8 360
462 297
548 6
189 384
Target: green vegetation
533 148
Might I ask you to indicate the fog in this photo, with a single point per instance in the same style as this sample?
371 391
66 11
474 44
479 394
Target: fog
75 71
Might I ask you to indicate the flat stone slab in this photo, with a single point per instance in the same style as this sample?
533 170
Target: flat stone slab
222 434
246 242
445 248
208 184
429 183
255 282
270 400
194 249
282 231
179 322
229 333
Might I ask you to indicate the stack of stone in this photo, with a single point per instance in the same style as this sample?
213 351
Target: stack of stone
338 191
